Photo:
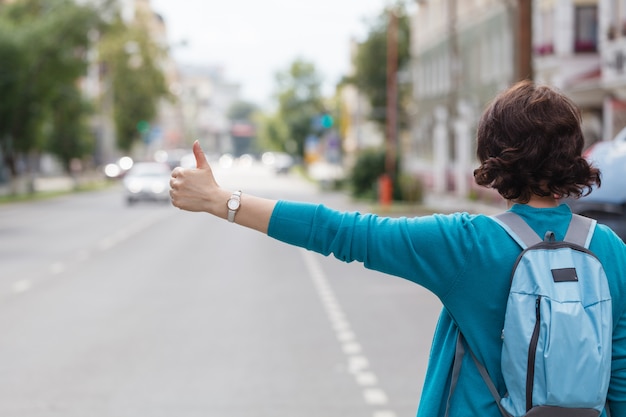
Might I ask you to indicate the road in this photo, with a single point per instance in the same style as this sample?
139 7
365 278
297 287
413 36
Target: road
148 311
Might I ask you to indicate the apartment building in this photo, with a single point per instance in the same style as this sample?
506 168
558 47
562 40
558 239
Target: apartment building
612 44
465 51
566 54
462 55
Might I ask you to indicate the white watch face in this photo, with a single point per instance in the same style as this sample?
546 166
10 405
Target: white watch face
233 204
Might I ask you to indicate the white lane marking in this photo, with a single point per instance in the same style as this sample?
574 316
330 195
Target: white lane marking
57 268
351 348
375 396
384 414
366 378
358 364
345 335
82 255
21 286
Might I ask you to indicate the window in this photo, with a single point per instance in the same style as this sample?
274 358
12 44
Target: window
545 35
586 29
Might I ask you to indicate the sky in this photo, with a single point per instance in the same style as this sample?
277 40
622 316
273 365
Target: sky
251 40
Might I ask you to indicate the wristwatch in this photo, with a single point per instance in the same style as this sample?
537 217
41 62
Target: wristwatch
233 205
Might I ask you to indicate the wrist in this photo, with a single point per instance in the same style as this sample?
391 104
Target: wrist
216 203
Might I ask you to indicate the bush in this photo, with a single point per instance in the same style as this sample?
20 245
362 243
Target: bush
411 188
369 166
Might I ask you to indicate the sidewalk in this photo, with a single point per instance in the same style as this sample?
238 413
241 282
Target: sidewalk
47 184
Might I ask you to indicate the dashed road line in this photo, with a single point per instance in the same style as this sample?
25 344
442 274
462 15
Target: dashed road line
358 364
83 255
21 285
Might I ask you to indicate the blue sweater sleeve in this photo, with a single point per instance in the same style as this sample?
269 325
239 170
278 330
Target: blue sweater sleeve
431 250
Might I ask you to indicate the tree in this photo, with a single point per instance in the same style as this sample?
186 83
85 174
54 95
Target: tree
273 133
43 46
70 137
242 110
299 102
370 76
130 59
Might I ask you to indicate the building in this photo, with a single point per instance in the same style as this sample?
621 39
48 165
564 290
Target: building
205 98
566 55
462 55
465 52
612 41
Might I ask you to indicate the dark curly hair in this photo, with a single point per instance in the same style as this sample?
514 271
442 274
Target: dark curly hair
529 141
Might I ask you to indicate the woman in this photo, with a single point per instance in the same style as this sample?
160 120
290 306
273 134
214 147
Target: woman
529 144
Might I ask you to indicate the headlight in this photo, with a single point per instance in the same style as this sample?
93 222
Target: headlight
157 187
134 186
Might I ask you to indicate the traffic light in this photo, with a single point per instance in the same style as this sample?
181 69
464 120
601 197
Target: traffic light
326 121
143 127
322 122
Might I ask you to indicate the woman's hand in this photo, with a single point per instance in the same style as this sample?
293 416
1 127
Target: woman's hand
195 189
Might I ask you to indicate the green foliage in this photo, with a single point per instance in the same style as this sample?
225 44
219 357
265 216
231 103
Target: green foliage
299 101
369 166
130 59
70 136
242 110
370 64
43 47
411 188
273 133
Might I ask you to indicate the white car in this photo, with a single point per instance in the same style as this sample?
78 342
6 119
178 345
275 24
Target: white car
147 181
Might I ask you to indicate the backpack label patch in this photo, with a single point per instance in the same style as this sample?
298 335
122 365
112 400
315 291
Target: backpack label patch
564 275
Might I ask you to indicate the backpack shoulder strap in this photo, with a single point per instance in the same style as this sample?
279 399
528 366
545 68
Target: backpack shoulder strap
456 371
580 230
518 229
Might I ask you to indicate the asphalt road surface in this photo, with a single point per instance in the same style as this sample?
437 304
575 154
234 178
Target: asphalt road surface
148 311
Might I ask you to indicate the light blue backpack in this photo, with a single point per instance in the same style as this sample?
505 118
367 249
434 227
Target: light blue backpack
556 352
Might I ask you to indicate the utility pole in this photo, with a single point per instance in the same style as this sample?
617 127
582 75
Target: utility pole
387 180
455 74
524 65
392 92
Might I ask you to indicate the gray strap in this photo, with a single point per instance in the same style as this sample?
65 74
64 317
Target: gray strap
519 230
580 230
456 371
490 385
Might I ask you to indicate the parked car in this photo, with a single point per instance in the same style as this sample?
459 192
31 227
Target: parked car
147 181
607 204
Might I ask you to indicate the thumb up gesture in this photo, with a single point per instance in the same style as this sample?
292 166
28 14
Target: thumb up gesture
195 189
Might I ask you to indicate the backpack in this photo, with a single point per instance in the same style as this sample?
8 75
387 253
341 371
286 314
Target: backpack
557 335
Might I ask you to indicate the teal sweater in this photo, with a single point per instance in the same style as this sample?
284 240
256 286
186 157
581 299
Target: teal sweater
466 261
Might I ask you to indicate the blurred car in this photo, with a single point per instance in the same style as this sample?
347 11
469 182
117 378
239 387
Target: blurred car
147 181
281 162
607 204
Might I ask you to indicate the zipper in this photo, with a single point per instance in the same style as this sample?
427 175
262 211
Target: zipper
532 352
